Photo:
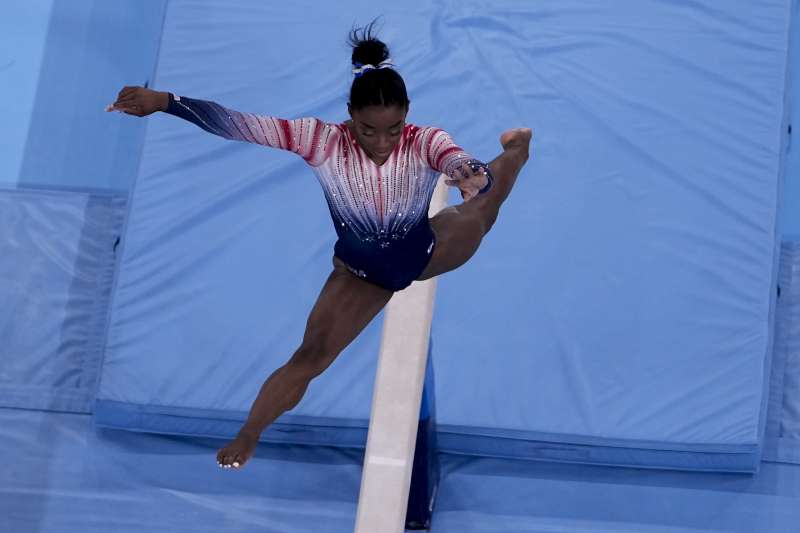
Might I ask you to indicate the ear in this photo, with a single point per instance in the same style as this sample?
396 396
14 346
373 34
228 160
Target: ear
349 110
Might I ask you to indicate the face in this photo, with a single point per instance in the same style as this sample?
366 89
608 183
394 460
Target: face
377 129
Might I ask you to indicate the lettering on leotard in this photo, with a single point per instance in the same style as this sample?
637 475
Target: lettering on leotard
359 273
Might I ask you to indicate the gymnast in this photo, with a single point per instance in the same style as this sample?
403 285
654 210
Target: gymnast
378 173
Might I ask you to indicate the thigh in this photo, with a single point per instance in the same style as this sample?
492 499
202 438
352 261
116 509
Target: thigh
459 230
343 309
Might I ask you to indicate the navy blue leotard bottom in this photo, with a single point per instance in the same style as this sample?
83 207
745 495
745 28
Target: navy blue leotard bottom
392 263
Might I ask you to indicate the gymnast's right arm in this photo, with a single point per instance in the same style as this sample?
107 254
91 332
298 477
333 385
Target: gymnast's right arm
304 136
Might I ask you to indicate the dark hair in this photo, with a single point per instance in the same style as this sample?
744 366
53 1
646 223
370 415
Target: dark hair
384 86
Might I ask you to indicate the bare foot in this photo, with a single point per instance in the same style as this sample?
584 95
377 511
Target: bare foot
238 451
517 137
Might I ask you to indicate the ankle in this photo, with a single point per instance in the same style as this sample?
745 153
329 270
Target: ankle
518 144
250 431
519 152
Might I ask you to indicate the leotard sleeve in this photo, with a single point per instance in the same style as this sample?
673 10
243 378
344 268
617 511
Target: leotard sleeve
307 137
442 154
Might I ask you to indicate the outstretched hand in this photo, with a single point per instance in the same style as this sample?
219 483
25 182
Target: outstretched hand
468 181
139 101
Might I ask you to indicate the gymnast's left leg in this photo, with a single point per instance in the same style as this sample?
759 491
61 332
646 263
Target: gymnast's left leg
459 229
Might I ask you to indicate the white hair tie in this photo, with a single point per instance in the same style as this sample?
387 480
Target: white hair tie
361 68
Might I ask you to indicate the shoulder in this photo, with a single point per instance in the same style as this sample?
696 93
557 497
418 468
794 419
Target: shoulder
427 132
428 138
311 137
317 123
322 132
422 129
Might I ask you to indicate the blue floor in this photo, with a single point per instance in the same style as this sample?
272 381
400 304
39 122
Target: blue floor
648 117
63 476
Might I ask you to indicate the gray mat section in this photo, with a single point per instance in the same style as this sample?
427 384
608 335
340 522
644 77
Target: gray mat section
57 250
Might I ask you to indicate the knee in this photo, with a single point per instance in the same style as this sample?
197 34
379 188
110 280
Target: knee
311 358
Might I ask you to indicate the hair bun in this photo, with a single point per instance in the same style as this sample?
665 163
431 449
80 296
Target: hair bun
367 49
379 84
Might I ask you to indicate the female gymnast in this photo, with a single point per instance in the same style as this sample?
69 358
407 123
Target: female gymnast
378 174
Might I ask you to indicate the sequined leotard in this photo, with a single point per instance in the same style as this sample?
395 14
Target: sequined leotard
380 211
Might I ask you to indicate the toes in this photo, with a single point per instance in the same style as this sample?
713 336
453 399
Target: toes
230 460
223 459
237 460
234 455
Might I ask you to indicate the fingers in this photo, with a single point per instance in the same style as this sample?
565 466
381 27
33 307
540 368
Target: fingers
126 91
128 101
465 174
469 181
126 106
131 101
467 171
128 110
129 106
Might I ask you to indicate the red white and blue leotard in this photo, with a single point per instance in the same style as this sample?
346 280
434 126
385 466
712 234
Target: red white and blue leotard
380 211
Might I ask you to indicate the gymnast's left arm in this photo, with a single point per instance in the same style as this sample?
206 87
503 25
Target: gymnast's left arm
472 176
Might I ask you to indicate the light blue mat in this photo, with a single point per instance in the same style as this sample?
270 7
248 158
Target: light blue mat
621 310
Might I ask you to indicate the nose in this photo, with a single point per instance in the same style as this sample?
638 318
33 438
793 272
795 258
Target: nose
384 144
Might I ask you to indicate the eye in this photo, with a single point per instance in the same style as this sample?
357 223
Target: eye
394 133
367 133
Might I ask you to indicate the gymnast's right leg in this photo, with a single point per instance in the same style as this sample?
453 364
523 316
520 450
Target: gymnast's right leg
344 308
